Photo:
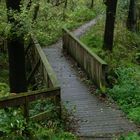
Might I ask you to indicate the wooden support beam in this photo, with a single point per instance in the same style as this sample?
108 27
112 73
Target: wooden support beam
33 72
28 47
40 117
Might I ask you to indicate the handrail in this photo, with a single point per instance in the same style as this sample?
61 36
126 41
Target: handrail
23 99
45 62
39 65
85 47
20 99
93 65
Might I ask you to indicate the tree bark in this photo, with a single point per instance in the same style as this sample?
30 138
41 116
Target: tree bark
92 4
110 22
17 76
131 20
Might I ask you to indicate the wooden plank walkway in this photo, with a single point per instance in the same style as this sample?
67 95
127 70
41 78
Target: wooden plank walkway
97 120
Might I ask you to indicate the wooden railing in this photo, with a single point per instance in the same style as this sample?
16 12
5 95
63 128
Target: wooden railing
23 99
93 65
41 75
39 66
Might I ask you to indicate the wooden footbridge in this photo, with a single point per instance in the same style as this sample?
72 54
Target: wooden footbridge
96 119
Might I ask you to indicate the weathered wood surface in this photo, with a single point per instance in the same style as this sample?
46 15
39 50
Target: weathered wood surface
20 99
93 65
97 120
23 99
39 65
36 62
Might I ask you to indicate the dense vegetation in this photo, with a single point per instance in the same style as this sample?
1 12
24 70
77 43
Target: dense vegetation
124 60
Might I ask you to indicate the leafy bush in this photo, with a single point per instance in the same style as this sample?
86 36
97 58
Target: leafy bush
130 136
4 90
134 114
14 126
3 68
126 91
86 13
48 26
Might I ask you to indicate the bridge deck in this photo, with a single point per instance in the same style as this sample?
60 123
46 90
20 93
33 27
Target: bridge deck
96 117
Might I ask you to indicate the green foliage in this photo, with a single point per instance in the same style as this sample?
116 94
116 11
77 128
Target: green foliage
126 91
130 136
42 105
14 126
4 90
11 121
93 38
48 26
3 68
4 26
50 20
86 13
134 114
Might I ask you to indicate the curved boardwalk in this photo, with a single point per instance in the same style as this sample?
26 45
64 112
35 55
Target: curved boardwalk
97 120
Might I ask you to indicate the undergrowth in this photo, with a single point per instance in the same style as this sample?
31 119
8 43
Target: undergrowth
48 26
3 68
130 136
50 20
14 126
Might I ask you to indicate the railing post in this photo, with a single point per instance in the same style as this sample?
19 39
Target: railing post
26 109
58 104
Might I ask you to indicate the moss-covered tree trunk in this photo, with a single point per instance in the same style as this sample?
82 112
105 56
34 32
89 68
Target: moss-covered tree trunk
109 26
17 77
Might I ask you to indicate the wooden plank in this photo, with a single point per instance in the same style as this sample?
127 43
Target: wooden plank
40 117
33 72
20 99
85 47
26 108
93 65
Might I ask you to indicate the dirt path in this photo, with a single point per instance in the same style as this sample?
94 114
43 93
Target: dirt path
78 32
84 28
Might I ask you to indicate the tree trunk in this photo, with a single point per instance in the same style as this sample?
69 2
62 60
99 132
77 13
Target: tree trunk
109 26
17 77
92 4
36 10
131 20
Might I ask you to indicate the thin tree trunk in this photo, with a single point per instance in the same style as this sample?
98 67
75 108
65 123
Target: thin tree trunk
92 4
131 20
109 26
36 10
17 77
